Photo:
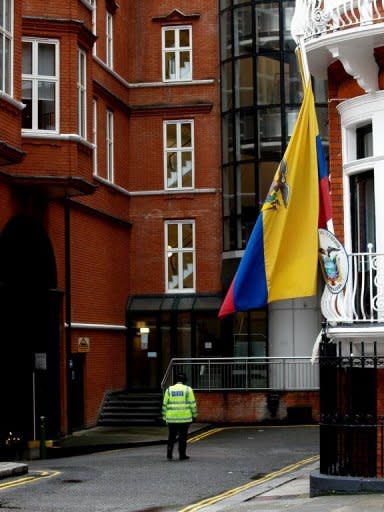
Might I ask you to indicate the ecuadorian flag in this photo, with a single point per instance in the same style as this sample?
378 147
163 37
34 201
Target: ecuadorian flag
281 257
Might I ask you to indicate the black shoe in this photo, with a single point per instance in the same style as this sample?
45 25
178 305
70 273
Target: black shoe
184 457
169 455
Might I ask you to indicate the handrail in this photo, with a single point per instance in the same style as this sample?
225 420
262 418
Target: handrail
245 373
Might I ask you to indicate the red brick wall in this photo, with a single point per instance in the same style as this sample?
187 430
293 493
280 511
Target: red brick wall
251 407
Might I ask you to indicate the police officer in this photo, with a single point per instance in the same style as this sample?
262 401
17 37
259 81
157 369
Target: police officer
179 410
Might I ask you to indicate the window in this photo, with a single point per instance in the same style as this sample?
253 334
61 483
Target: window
177 54
94 136
82 93
109 40
109 146
40 85
180 256
6 39
178 154
364 142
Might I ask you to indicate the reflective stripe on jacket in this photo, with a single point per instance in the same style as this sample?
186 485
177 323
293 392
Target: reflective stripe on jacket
179 404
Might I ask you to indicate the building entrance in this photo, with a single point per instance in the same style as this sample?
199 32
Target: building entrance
29 330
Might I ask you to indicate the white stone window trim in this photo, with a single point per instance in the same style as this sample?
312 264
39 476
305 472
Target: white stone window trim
109 40
177 50
94 136
180 252
109 140
178 149
355 113
82 92
35 77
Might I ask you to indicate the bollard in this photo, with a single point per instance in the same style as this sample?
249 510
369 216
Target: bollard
43 448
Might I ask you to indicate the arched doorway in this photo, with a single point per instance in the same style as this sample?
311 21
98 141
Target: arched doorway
29 330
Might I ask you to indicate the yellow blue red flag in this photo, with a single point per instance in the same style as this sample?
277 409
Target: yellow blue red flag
281 257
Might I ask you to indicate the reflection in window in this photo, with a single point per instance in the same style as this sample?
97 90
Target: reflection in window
270 134
177 54
178 154
268 80
180 256
288 12
292 79
226 86
244 85
226 35
267 26
242 19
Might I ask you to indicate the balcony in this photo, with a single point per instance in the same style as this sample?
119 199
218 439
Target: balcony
358 310
347 31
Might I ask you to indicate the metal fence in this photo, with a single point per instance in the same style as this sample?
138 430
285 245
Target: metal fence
351 430
246 373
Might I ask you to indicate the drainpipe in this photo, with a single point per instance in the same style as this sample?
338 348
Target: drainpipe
68 318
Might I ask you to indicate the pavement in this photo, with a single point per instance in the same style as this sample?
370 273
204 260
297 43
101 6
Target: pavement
287 489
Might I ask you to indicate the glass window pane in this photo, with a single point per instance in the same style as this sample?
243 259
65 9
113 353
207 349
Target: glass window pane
46 59
46 106
184 38
268 80
292 79
225 3
226 133
171 170
245 129
186 140
289 9
270 134
226 86
169 38
188 270
244 82
172 236
185 65
320 90
171 135
1 13
170 66
8 15
27 100
242 19
267 26
291 114
226 35
186 170
187 236
322 121
7 66
246 198
173 271
27 58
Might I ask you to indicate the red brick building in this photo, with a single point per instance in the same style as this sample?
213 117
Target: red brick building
110 226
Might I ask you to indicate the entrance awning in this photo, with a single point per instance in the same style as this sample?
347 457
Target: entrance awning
154 303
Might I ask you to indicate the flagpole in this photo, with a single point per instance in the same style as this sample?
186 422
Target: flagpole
304 60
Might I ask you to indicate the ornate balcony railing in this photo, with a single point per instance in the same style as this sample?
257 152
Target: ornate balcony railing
362 300
314 18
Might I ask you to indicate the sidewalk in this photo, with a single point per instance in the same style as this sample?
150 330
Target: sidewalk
288 491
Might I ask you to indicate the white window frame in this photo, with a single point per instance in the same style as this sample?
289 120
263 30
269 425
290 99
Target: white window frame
94 135
6 62
354 113
177 50
110 146
82 92
35 78
179 150
180 252
109 40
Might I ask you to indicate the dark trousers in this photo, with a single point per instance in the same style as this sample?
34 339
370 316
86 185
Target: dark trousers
180 431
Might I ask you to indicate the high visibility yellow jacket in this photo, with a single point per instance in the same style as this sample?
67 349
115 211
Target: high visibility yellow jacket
179 404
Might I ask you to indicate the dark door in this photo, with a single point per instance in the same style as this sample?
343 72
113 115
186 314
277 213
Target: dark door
76 392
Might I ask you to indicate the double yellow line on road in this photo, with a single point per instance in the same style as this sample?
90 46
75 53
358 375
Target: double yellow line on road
28 479
232 492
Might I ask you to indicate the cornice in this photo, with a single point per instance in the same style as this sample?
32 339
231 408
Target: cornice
176 16
54 26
